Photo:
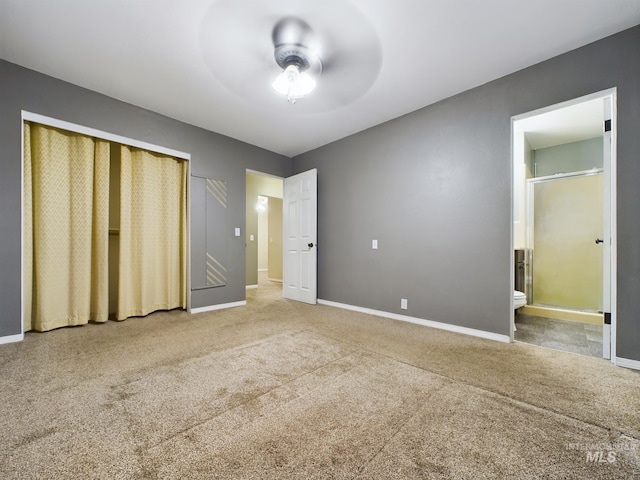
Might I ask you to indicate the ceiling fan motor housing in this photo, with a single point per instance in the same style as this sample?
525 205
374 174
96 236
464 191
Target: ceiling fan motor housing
296 55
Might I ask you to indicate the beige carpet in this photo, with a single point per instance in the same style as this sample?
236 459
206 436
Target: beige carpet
279 389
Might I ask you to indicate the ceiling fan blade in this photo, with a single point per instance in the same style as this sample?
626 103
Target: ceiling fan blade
339 85
350 66
292 30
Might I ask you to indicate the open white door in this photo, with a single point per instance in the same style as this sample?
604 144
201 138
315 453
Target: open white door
299 218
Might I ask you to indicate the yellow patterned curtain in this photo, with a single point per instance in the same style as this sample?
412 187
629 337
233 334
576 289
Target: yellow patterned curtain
153 233
66 228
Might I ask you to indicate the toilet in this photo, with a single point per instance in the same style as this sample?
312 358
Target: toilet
519 299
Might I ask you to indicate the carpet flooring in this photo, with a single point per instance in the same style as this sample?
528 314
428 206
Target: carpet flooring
278 389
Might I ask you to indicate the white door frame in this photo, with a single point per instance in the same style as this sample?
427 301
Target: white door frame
609 97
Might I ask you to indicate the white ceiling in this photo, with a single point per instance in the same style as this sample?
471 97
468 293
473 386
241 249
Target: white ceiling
209 62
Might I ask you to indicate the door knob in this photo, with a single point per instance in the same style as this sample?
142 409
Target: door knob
310 245
599 240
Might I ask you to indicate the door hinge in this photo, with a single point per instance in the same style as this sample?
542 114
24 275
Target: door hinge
607 318
607 125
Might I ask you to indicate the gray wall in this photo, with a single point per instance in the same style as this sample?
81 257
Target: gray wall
434 187
212 155
569 157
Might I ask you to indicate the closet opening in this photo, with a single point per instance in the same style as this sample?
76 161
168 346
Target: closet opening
104 226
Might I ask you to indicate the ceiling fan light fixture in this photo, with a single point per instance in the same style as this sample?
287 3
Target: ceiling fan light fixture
293 83
296 52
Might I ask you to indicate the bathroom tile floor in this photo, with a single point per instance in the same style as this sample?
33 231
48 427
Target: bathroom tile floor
576 337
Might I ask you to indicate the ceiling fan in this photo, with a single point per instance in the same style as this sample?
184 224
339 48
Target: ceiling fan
293 46
293 42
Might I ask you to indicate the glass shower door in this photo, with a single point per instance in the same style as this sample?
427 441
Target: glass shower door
567 262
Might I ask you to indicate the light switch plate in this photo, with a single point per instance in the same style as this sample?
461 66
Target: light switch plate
374 244
237 231
251 237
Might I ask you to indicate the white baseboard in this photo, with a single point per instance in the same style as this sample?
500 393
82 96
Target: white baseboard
250 287
12 338
277 280
625 362
222 306
427 323
263 269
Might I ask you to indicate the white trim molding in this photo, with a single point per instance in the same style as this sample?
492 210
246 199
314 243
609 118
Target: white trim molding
221 306
251 287
627 363
427 323
12 338
111 137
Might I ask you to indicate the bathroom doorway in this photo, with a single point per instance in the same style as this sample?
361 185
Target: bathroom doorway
563 212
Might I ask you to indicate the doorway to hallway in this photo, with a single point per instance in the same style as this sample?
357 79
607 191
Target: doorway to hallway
263 231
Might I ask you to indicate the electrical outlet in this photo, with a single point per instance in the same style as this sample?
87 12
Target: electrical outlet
403 303
374 244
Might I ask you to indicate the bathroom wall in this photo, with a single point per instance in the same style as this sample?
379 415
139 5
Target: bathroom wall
522 171
569 157
529 155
